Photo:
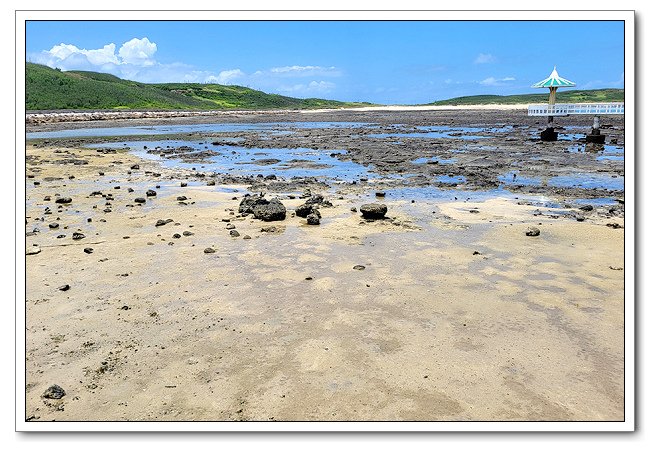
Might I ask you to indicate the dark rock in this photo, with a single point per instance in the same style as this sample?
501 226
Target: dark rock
614 225
587 208
47 198
211 183
183 184
64 288
78 236
304 210
353 209
54 225
272 210
209 250
125 308
176 236
248 202
359 267
163 222
580 218
380 194
313 219
263 209
151 192
373 211
187 233
130 190
532 232
234 233
88 250
140 200
136 166
247 237
476 253
53 392
63 200
181 198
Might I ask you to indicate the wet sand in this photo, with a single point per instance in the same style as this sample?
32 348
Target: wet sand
457 315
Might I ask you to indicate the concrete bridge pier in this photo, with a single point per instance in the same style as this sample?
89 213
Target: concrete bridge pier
595 136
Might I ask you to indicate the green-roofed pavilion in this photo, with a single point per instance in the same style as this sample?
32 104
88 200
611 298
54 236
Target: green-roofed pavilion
553 82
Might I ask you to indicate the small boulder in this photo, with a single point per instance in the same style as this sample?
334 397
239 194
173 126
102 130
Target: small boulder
140 200
78 236
313 219
54 392
209 250
234 233
151 192
373 211
63 200
532 232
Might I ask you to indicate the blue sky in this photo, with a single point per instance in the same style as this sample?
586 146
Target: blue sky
387 62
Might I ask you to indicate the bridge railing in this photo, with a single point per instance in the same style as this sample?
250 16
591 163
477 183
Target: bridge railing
610 108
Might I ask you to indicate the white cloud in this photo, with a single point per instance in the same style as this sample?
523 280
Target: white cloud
492 81
305 71
69 55
484 58
308 89
225 77
138 51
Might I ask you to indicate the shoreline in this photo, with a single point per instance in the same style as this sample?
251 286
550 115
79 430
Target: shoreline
75 116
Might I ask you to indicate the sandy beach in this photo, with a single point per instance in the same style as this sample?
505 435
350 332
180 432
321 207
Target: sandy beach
445 310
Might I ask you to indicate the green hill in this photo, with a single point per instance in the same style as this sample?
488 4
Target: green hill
52 89
569 96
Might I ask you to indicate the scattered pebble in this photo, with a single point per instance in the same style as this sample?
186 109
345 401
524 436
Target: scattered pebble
78 236
359 267
209 250
88 250
64 200
234 233
176 236
151 193
187 233
247 237
64 288
140 200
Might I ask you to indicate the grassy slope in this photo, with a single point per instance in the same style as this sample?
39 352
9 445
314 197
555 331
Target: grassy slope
51 89
570 96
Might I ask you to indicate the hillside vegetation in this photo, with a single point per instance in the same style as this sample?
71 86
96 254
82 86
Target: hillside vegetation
569 97
52 89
